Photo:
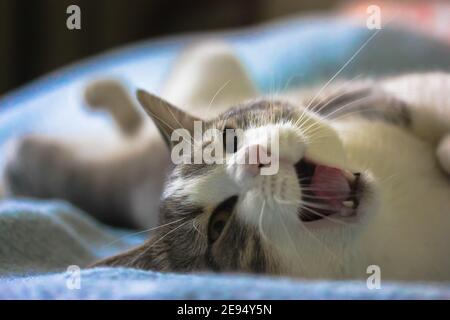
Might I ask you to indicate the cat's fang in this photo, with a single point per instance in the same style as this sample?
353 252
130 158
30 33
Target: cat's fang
351 177
348 203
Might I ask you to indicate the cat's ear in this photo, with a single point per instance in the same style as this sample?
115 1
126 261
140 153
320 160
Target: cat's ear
166 117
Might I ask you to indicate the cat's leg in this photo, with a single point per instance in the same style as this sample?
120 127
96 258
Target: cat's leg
204 74
417 102
443 153
208 78
113 189
112 96
426 98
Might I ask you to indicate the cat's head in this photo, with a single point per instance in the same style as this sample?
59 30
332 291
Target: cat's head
282 201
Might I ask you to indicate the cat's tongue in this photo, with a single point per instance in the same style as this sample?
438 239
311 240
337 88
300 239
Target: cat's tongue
331 185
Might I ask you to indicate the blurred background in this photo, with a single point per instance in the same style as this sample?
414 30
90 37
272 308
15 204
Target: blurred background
34 39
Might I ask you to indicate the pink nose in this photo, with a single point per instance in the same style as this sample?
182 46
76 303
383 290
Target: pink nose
256 156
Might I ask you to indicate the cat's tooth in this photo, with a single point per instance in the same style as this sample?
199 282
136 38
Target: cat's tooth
348 203
349 176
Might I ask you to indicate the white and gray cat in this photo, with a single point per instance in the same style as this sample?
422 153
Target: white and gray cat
363 175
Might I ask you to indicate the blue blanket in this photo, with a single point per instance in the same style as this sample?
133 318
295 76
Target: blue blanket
42 243
60 237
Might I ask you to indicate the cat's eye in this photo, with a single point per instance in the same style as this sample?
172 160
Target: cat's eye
220 217
217 225
230 140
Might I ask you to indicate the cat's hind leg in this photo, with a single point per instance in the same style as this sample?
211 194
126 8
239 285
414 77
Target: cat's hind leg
29 161
204 74
443 153
112 96
208 77
428 104
113 189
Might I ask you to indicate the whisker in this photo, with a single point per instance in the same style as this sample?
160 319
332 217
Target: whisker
333 98
345 106
344 66
339 260
324 189
217 93
319 197
260 224
347 112
291 240
327 217
310 234
196 228
140 232
156 242
282 201
317 206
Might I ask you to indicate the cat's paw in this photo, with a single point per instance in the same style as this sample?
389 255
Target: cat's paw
443 153
112 96
28 160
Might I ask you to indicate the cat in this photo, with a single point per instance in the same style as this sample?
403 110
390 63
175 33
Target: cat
362 179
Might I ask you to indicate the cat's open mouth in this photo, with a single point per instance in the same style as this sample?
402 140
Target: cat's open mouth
326 191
